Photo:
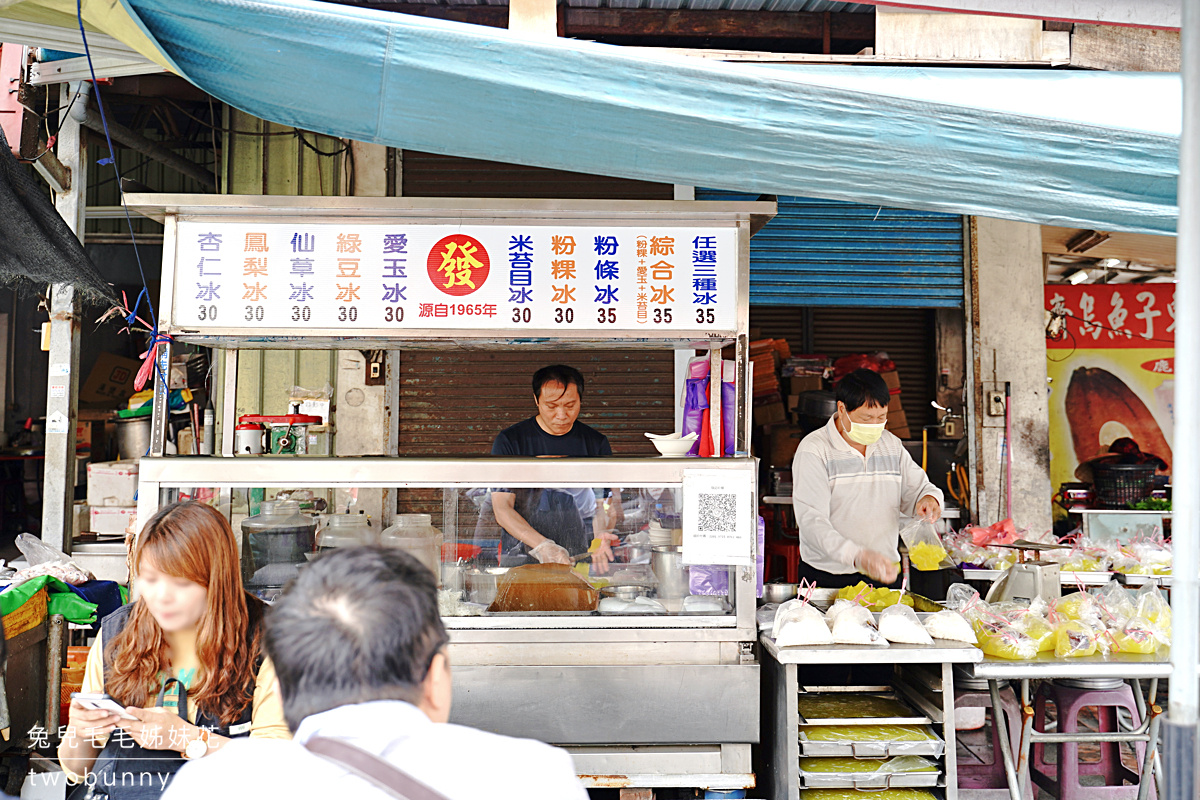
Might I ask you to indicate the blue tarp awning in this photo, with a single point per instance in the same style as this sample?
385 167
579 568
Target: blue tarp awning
1077 149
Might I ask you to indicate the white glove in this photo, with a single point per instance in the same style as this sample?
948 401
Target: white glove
876 565
550 553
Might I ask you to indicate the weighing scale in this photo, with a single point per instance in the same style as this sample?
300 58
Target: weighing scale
1026 580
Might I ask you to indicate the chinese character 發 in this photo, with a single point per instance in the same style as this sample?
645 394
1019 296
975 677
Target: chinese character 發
606 295
349 243
348 293
208 293
563 294
254 292
458 268
661 295
255 266
209 242
348 268
562 270
562 245
662 246
607 270
394 293
256 243
606 245
303 243
302 293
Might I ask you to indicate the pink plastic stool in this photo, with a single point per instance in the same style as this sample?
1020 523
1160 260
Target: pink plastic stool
977 775
1062 779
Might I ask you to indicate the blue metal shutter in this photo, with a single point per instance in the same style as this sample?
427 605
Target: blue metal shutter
830 253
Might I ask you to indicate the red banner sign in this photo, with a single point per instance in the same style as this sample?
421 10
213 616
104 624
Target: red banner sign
1108 316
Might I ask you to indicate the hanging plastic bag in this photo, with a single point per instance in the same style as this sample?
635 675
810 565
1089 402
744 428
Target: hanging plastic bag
798 623
925 549
899 625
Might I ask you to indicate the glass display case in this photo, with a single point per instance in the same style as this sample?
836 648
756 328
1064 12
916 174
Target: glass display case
617 524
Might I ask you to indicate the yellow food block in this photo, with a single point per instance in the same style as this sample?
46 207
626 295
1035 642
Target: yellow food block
850 706
926 556
854 794
868 733
858 766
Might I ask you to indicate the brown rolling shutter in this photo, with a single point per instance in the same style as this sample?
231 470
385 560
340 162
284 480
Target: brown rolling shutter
430 175
907 335
454 403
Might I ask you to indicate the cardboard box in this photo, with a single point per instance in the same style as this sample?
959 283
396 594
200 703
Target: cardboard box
784 441
892 379
805 383
112 483
894 404
110 520
110 383
770 413
897 424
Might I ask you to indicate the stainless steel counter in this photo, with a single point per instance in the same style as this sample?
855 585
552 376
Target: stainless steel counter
942 652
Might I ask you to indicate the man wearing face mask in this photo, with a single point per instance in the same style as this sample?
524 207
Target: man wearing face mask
853 484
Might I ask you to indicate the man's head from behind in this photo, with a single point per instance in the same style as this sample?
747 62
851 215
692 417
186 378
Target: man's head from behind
357 625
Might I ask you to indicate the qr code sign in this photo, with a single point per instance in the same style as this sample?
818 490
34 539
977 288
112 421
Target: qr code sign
718 513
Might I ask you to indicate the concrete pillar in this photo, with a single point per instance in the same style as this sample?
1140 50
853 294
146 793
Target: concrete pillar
1008 346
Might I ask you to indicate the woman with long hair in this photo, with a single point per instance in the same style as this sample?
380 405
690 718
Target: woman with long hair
185 660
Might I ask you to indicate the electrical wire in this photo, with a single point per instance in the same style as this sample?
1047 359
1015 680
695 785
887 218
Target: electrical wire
303 141
156 338
222 129
1085 323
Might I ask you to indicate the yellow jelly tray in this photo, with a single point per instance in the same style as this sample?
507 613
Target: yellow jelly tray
852 773
870 741
855 708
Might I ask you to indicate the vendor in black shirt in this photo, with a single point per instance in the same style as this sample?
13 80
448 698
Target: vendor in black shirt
551 524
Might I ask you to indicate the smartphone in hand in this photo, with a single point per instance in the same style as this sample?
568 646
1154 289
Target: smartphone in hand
101 702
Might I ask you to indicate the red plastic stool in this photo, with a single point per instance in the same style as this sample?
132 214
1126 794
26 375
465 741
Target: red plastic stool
789 551
976 774
1062 779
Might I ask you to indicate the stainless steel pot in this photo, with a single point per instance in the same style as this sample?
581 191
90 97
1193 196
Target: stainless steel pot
666 561
133 437
626 592
778 592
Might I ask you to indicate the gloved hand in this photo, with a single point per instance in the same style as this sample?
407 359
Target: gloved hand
876 565
550 553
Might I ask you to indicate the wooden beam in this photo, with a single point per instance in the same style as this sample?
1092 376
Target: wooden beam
592 23
1125 49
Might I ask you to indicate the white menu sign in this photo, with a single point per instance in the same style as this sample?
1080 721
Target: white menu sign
400 275
718 517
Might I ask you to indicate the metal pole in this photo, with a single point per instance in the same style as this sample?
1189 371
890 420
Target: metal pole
62 390
1179 732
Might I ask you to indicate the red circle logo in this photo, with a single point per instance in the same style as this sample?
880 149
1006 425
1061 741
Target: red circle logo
458 265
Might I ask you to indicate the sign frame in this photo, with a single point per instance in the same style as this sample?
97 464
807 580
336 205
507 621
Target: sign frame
743 218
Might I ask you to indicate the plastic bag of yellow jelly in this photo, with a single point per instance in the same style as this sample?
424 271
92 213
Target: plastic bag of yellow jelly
925 549
1007 643
868 733
1074 639
1076 605
1138 636
876 599
1036 627
1152 606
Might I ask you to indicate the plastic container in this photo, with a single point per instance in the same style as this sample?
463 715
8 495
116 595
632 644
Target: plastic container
416 534
345 530
277 540
1118 485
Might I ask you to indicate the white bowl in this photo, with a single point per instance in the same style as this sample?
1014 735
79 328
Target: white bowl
673 447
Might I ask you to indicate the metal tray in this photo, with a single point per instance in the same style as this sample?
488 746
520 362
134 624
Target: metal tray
933 748
912 718
869 780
